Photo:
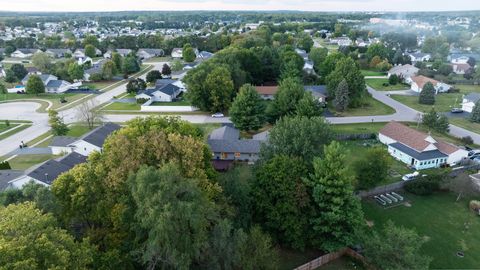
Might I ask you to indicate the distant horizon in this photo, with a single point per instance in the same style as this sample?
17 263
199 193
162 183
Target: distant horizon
338 6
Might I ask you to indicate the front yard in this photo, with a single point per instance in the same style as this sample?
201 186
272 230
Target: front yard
443 102
174 103
466 124
366 72
24 162
378 84
371 107
449 227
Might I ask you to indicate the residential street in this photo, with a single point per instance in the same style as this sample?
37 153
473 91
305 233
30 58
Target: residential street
26 111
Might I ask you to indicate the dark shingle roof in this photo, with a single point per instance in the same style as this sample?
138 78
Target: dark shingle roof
317 89
73 159
48 171
224 133
473 97
62 140
7 176
235 146
427 155
169 89
97 136
54 83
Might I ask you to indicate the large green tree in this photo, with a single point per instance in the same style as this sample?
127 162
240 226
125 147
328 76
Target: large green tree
318 55
90 51
346 69
427 95
221 89
290 91
308 106
341 100
130 65
373 168
75 71
248 109
109 70
42 61
475 116
32 240
188 53
339 215
35 85
59 128
19 71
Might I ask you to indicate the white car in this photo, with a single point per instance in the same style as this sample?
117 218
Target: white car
410 176
218 115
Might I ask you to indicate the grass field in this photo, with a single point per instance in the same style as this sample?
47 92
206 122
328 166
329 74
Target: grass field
120 106
372 107
468 88
24 162
99 85
377 84
466 124
366 72
4 127
54 98
358 128
175 103
443 102
442 221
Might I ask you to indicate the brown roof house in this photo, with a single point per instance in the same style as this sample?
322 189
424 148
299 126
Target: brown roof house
417 149
418 82
267 92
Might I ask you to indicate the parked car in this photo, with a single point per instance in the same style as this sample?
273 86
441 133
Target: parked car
476 160
410 176
473 152
456 110
474 156
218 115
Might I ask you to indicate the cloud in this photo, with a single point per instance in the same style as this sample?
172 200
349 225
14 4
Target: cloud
305 5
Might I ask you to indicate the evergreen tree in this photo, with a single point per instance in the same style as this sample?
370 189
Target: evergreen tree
118 60
341 96
443 125
35 85
19 71
347 69
308 106
475 117
248 110
130 65
59 128
427 95
339 212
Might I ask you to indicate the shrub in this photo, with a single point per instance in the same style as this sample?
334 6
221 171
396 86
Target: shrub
5 165
96 77
467 140
142 100
393 79
423 185
474 205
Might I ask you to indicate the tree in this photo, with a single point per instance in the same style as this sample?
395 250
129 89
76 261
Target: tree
3 89
298 137
435 121
153 76
339 215
87 113
373 168
109 70
341 100
475 116
318 55
443 125
328 66
59 128
220 87
377 50
396 248
375 61
118 60
393 79
35 85
427 95
177 65
281 200
130 65
347 69
167 204
308 106
305 42
75 71
136 85
42 61
291 64
31 239
188 53
91 40
19 71
166 70
10 76
290 91
247 110
445 69
90 51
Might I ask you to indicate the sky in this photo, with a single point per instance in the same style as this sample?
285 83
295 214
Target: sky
305 5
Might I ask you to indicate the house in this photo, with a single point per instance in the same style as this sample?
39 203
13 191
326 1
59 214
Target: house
177 53
52 83
121 52
61 144
166 90
462 59
84 60
33 70
145 53
308 67
341 41
80 53
417 149
318 91
403 71
204 55
461 68
58 53
47 172
419 57
23 53
93 140
302 53
267 92
418 82
95 69
8 175
226 145
469 101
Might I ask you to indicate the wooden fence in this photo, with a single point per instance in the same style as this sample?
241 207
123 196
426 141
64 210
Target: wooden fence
324 259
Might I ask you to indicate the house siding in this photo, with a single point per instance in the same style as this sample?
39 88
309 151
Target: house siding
84 148
231 156
417 164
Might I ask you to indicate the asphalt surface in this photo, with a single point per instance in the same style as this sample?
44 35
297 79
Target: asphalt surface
27 111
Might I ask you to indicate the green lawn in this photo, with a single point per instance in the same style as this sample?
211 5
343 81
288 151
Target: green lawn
175 103
443 102
120 106
77 130
54 98
372 107
24 162
12 131
464 88
4 127
377 84
358 128
99 85
366 72
442 221
158 59
466 124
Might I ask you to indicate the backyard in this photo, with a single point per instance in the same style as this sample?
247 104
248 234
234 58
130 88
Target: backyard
24 162
448 226
366 72
378 84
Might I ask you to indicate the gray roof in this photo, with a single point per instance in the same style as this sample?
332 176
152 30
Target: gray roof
55 83
59 51
427 155
124 51
43 77
169 89
235 146
48 171
162 82
262 136
98 136
27 51
62 140
473 97
205 54
317 89
152 51
7 176
225 133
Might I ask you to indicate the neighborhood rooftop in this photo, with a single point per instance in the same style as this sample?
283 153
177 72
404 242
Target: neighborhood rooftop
98 136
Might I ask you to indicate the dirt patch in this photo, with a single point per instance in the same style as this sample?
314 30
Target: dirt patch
370 223
407 204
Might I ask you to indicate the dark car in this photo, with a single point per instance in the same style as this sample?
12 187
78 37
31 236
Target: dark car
456 110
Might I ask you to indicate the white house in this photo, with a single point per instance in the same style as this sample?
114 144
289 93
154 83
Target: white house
177 53
403 71
460 60
52 84
419 57
80 53
417 149
23 53
469 101
418 82
121 52
58 53
93 141
61 145
145 53
166 90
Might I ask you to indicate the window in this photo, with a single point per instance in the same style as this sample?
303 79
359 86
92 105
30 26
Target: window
224 156
237 154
